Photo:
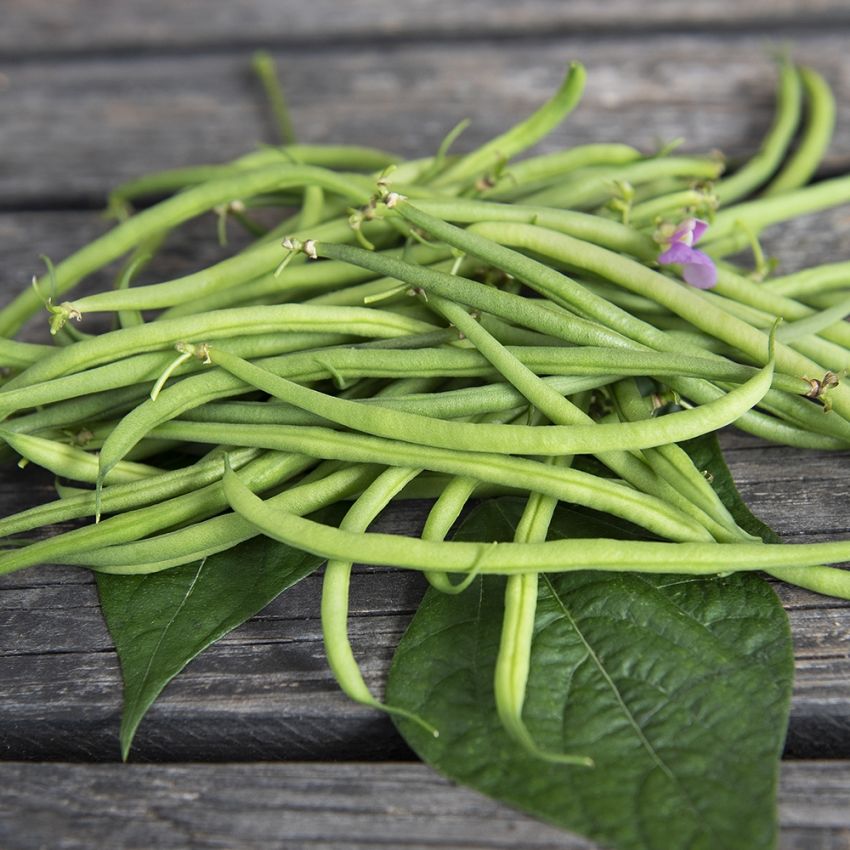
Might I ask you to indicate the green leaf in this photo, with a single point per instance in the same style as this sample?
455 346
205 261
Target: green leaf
677 686
160 622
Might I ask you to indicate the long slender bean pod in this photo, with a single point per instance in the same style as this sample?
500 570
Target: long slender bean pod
776 142
551 440
344 157
552 165
596 189
522 136
505 305
237 321
201 539
813 144
729 230
511 558
657 515
513 661
265 471
144 369
71 462
166 215
817 280
124 497
600 231
335 586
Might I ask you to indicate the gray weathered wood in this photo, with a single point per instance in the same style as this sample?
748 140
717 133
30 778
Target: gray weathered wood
82 25
70 131
339 806
94 92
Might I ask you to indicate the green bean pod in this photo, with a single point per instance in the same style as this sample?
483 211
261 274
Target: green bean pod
516 558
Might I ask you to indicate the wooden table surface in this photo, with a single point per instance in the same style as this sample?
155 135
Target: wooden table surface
254 746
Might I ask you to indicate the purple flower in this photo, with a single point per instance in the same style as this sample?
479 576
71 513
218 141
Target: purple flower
697 268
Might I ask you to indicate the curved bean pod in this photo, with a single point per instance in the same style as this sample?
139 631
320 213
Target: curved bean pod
335 595
237 321
514 439
166 215
553 556
813 144
522 136
655 514
764 163
513 660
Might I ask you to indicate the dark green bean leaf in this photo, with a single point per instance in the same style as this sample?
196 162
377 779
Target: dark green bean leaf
160 622
678 687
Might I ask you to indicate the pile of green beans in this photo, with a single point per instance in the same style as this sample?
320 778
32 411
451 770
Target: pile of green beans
450 328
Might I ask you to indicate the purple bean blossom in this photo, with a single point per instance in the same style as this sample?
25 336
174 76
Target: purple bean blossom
697 268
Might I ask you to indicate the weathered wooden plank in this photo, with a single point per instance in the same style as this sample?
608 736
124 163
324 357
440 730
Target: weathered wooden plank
329 806
72 130
80 25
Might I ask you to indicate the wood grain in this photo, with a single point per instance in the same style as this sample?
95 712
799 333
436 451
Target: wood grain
85 25
339 806
70 131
